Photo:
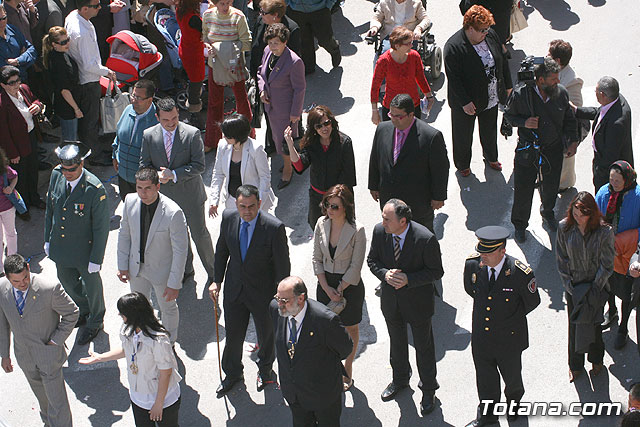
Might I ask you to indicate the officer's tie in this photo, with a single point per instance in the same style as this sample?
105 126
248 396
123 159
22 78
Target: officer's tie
68 191
244 239
396 248
492 278
293 337
20 301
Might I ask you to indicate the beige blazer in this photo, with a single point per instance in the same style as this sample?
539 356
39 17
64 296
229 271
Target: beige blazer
49 315
349 254
384 16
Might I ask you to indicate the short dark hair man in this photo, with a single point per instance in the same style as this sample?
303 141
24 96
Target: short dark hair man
313 336
406 257
634 397
546 130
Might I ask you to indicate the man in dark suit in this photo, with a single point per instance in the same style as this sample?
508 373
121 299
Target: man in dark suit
176 151
504 291
611 129
252 256
405 256
409 162
311 342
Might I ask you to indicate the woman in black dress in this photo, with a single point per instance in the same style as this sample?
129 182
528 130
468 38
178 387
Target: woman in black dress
339 248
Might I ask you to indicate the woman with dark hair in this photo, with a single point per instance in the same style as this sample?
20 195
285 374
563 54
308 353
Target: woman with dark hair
619 202
282 84
154 381
328 151
478 79
240 161
191 49
401 66
339 247
584 254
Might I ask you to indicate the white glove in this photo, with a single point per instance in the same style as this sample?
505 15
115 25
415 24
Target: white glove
46 248
93 268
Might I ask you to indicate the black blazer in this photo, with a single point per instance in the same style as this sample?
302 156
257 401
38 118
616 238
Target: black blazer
466 77
335 166
313 378
420 260
613 133
421 172
258 44
266 262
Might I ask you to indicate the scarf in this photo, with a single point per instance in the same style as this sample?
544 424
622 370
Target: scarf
614 204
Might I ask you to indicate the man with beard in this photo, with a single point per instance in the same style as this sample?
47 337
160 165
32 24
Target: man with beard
310 345
546 130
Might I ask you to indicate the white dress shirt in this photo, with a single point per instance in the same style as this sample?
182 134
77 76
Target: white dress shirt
497 268
22 106
299 319
84 48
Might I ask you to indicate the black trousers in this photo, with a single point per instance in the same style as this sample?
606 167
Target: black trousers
125 187
89 124
596 349
462 126
525 171
314 24
315 210
236 317
326 417
169 416
27 169
600 176
490 363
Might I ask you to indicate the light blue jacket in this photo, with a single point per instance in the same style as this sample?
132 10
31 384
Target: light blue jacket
629 212
126 145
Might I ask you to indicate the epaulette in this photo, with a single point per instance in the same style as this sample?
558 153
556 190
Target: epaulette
522 266
473 255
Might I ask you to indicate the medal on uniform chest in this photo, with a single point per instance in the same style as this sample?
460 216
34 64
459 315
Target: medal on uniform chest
78 209
473 278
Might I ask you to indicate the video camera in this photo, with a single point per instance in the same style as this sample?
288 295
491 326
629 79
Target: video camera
526 72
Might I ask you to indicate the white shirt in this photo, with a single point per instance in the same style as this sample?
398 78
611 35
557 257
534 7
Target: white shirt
75 181
84 48
402 12
483 51
22 106
497 268
299 318
403 235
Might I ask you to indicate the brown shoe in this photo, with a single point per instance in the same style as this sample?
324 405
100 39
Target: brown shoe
573 375
495 165
596 368
465 172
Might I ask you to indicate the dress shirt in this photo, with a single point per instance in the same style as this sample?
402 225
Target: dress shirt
84 48
250 229
497 268
171 135
22 106
75 182
402 236
15 294
603 111
146 216
299 319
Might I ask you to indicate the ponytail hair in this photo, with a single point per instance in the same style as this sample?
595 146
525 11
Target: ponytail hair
55 33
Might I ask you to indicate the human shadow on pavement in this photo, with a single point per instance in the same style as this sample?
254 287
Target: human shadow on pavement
409 410
557 12
592 390
346 33
293 203
273 412
323 88
189 398
368 333
197 326
447 334
625 366
361 413
488 202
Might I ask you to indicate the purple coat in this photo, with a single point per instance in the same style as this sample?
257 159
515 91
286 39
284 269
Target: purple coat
285 89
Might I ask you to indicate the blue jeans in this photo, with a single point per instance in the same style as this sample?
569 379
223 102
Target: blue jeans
69 129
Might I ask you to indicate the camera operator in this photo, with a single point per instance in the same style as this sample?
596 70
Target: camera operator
546 129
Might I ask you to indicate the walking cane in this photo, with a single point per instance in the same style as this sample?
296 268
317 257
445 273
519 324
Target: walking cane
215 311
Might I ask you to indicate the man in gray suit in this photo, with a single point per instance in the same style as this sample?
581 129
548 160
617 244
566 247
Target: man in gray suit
152 246
37 312
176 151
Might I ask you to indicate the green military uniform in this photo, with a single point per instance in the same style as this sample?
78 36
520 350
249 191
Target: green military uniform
76 229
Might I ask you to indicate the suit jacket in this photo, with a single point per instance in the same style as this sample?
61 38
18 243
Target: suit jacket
254 170
349 255
266 262
612 135
421 172
420 260
14 138
466 76
313 378
165 252
49 314
258 44
187 161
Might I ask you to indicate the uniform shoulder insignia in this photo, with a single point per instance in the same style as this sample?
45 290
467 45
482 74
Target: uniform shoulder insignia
522 266
532 286
473 255
104 196
99 185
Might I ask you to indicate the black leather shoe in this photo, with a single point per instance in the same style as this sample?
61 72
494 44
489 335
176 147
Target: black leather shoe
391 391
82 320
520 235
378 290
481 422
336 57
428 403
40 204
264 380
86 335
226 385
609 320
621 340
551 222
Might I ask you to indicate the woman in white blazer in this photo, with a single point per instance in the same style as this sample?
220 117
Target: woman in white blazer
339 248
240 161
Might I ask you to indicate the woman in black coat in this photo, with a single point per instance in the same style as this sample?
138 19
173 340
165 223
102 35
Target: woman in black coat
478 79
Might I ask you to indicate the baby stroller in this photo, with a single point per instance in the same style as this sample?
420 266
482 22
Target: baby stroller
132 56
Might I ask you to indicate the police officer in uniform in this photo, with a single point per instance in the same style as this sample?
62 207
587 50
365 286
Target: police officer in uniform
75 234
504 291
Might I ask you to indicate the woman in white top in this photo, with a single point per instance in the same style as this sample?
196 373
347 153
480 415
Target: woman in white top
390 14
154 381
240 161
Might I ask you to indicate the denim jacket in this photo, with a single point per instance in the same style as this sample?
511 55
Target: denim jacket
127 144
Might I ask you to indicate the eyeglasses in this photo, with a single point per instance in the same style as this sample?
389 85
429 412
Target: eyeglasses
138 98
319 126
71 169
94 6
263 12
483 31
397 116
4 18
331 206
281 300
13 82
63 42
409 43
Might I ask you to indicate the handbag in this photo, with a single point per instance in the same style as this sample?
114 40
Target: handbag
15 198
517 21
112 106
337 306
257 109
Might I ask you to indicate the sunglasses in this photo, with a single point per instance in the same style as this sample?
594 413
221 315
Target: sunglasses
331 206
71 169
483 31
281 300
322 125
263 12
13 82
94 6
63 42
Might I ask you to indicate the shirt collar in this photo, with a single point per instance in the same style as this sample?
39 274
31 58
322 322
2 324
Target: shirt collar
404 233
139 116
299 317
252 223
406 131
75 181
498 267
540 94
24 293
165 132
605 108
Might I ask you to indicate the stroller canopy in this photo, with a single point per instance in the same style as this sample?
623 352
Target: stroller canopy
132 56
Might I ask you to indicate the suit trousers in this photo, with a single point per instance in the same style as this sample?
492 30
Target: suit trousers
314 24
524 180
600 176
168 309
215 109
27 170
47 383
422 332
200 234
236 318
596 349
315 210
462 125
326 417
89 125
85 289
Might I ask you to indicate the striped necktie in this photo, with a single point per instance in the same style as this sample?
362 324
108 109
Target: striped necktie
20 301
396 247
168 144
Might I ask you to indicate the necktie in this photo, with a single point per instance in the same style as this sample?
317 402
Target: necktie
20 301
293 337
399 142
244 239
396 247
168 144
68 189
492 278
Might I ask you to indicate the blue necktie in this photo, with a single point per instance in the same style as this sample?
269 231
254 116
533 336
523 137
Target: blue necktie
20 301
244 239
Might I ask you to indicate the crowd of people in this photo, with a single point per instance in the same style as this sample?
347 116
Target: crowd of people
159 161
